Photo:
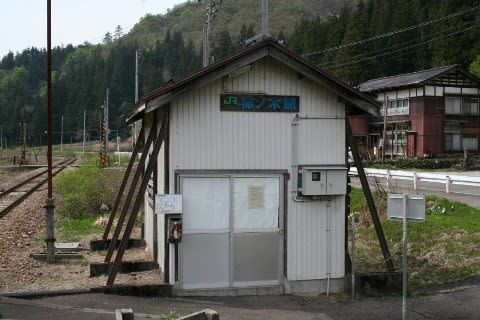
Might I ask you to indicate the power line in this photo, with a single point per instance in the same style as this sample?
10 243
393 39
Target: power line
398 45
384 35
403 49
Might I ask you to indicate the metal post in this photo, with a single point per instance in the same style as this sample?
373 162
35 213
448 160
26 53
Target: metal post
84 130
353 256
50 239
61 137
328 247
1 138
404 280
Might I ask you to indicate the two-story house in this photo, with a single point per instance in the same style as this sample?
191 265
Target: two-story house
430 112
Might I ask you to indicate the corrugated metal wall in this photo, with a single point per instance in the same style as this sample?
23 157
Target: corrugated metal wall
202 137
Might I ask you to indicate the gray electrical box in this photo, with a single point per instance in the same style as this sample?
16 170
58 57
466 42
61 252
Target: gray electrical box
323 180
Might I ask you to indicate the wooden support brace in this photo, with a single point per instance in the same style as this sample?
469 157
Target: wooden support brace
152 162
371 203
135 152
131 192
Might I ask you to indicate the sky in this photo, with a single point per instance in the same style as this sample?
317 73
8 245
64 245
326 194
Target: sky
24 22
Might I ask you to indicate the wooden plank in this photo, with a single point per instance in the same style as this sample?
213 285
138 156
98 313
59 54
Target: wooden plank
130 194
152 163
135 152
370 202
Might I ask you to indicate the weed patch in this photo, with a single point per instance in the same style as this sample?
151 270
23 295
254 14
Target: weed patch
72 230
443 249
84 190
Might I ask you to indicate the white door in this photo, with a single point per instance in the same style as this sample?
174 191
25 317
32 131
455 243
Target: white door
232 232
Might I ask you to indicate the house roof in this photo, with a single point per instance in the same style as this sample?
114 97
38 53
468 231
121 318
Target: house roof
410 79
266 47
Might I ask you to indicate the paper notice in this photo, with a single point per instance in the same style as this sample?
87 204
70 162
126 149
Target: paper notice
256 197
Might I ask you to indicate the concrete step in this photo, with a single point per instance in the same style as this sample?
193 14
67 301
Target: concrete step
100 268
101 244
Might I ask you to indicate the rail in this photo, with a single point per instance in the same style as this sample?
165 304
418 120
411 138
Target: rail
9 205
447 181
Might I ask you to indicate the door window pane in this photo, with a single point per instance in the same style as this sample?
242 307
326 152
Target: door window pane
452 105
206 203
255 203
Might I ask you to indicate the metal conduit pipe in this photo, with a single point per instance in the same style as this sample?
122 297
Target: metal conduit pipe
328 229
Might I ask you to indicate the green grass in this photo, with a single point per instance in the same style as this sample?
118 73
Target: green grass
443 249
73 230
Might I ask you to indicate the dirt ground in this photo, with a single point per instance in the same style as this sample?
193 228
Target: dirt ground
22 233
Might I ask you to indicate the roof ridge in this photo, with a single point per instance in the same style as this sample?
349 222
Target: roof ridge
410 73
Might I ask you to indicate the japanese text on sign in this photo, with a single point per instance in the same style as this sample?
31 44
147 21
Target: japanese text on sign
259 103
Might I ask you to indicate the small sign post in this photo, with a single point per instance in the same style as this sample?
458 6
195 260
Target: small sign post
405 207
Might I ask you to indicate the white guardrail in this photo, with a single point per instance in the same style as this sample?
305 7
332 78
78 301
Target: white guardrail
417 178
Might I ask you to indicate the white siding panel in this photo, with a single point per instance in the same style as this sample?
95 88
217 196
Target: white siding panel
204 138
401 94
452 90
429 91
470 90
307 240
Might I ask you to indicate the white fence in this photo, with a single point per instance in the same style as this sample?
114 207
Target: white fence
447 181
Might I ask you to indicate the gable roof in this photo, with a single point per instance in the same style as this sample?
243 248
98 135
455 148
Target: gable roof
411 79
266 47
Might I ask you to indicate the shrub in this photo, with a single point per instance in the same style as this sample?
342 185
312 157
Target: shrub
406 163
84 190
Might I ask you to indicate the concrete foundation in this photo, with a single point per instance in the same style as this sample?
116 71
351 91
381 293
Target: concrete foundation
314 287
224 292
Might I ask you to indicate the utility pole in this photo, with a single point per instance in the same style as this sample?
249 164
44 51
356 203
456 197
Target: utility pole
211 14
107 131
61 137
385 115
1 138
134 135
265 18
84 130
50 206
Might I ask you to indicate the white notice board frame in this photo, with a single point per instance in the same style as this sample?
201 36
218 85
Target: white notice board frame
168 204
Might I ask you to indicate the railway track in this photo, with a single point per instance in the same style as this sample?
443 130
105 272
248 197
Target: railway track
14 195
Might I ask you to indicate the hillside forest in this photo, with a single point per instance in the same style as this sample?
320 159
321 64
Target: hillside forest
329 33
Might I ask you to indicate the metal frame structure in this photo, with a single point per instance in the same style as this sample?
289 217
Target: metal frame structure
152 163
131 191
135 152
371 204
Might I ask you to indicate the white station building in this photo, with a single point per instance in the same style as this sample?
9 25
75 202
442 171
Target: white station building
256 149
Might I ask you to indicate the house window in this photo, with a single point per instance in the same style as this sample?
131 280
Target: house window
453 142
470 142
396 107
453 139
470 106
459 105
453 105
